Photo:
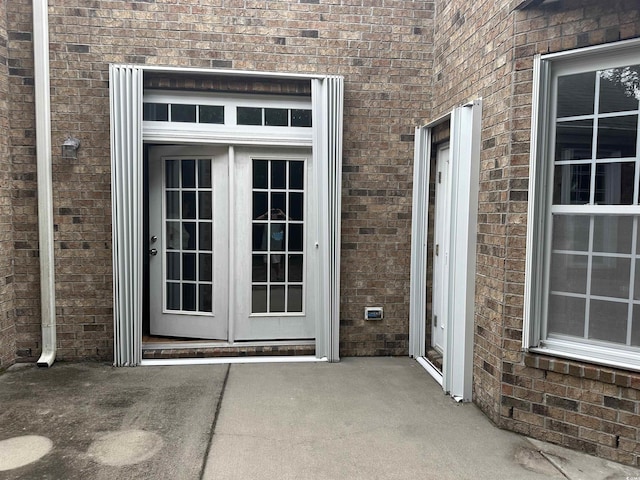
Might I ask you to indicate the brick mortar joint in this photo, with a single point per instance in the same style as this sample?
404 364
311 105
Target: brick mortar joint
612 376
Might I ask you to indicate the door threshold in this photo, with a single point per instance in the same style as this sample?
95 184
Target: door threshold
229 360
183 344
430 368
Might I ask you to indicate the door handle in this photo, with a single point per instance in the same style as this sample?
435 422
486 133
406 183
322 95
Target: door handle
153 252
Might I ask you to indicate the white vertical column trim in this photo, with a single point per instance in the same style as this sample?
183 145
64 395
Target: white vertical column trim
231 212
327 106
419 234
465 157
125 95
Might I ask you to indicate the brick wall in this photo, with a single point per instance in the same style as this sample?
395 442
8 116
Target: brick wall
384 53
7 318
578 405
473 58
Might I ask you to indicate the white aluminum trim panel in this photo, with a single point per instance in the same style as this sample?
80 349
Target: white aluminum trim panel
127 221
231 360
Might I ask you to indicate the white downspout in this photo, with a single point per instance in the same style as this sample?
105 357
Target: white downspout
45 181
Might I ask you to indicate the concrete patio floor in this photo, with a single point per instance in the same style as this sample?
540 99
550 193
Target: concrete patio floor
362 418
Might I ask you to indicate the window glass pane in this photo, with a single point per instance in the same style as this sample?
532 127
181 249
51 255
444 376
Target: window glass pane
260 205
278 174
204 205
188 173
188 235
566 315
296 175
183 113
617 137
189 205
294 299
295 238
277 299
635 326
608 321
173 296
260 175
576 94
277 243
636 283
571 232
258 299
612 234
204 239
172 173
260 237
204 298
249 116
277 267
572 184
295 268
569 273
300 118
259 268
211 114
173 266
173 205
610 276
189 266
619 89
296 206
277 117
574 140
189 297
204 173
614 183
205 267
174 236
155 112
278 206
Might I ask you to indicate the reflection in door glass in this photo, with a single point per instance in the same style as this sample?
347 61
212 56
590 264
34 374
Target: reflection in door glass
188 244
278 228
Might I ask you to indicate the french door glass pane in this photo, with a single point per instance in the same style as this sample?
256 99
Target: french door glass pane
278 228
188 241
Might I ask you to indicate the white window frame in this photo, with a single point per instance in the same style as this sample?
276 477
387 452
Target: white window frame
546 69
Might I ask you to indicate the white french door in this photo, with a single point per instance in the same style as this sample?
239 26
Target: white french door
230 244
188 242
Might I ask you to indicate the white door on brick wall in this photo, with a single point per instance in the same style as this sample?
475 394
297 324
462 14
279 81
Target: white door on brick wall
441 249
229 243
188 242
274 251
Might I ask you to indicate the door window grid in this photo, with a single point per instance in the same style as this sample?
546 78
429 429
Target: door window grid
592 291
278 256
188 248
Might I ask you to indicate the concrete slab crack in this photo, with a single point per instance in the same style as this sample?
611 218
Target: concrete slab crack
215 421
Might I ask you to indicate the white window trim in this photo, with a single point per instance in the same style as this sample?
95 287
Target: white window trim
533 338
126 98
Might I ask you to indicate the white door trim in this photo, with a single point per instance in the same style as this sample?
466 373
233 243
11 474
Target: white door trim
129 246
464 187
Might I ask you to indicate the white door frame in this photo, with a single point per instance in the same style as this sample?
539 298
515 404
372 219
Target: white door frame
457 369
127 181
